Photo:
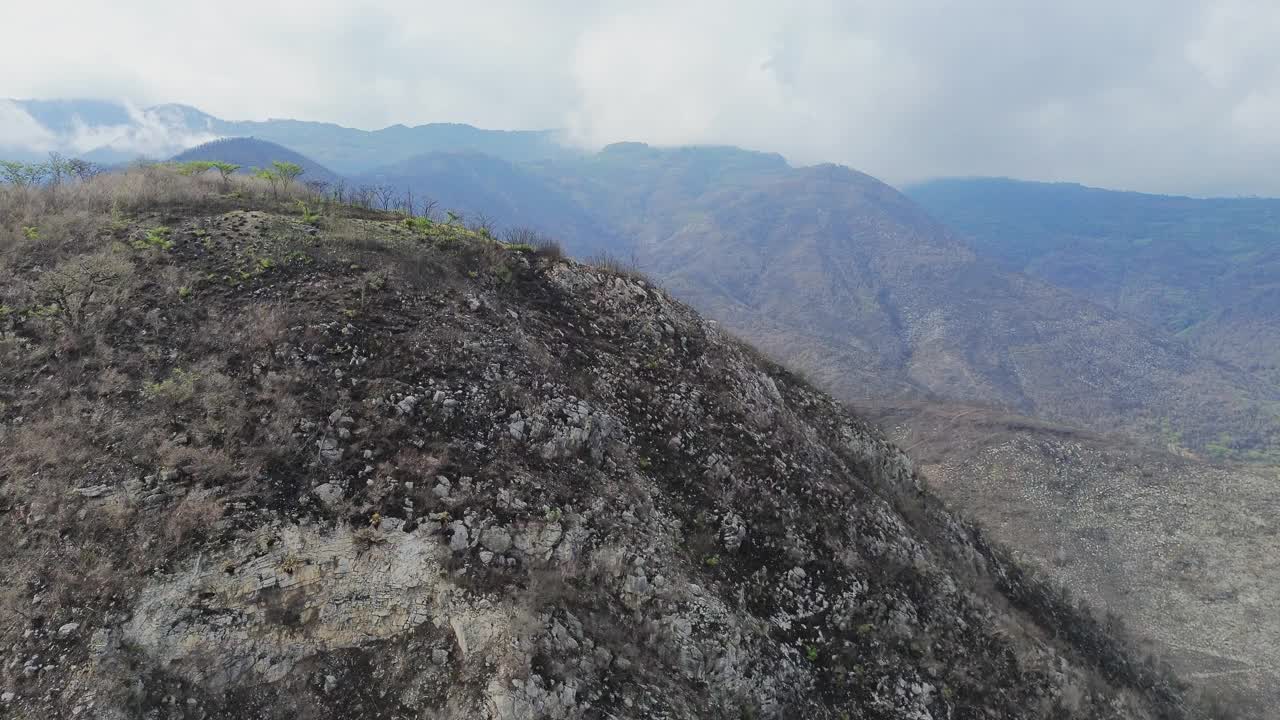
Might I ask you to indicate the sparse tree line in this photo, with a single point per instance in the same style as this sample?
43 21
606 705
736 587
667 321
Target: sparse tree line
54 171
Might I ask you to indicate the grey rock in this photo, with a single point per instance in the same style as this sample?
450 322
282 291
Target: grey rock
460 537
496 539
328 494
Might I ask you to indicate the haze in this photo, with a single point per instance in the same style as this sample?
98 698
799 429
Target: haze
1170 96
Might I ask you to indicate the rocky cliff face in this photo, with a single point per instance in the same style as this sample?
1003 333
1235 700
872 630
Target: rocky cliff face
255 467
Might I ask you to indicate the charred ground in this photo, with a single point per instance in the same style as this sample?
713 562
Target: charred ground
268 459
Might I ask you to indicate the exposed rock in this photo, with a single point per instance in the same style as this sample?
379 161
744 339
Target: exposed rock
328 493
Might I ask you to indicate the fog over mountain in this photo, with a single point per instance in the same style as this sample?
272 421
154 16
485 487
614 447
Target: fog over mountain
1173 96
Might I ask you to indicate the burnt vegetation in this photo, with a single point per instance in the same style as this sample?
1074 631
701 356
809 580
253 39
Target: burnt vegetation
196 367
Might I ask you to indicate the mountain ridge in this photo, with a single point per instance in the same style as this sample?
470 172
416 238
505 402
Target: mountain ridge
260 464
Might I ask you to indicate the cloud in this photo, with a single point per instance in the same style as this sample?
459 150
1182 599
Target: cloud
151 133
18 130
1167 95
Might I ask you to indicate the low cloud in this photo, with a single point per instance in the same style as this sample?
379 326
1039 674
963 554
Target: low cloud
20 131
151 133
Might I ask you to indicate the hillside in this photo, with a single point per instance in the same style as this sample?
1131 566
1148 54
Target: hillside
251 153
848 280
1184 551
252 466
1207 270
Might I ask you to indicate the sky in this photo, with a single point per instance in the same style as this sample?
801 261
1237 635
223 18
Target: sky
1155 95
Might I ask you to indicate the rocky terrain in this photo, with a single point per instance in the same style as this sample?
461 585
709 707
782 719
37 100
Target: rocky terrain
1185 551
260 461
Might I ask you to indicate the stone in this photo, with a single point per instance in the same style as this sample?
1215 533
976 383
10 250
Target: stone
328 494
329 449
496 539
460 537
442 488
7 698
68 629
330 684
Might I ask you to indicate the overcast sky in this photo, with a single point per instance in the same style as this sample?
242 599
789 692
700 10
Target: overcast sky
1160 95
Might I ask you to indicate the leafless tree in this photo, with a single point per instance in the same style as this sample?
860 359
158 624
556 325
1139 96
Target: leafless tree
363 197
483 224
429 208
386 195
318 190
83 169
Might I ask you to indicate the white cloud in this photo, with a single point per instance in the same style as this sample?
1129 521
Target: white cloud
151 133
1171 95
18 130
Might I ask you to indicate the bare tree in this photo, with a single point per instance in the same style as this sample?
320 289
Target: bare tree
363 197
386 195
483 224
406 202
429 208
317 188
83 169
57 168
340 191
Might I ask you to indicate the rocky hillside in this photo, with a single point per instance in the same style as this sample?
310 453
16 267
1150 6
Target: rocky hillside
259 465
1184 551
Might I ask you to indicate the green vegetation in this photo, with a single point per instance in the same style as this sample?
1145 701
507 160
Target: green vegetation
280 175
154 238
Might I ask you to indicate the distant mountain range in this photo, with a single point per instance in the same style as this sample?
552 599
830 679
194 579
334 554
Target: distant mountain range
1205 270
112 132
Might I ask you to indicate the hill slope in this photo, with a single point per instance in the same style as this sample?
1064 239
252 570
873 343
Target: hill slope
1182 550
847 279
505 193
1205 269
251 467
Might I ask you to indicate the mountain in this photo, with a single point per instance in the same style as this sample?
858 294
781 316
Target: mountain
505 193
354 151
845 278
1206 270
114 132
1183 550
251 153
256 465
106 132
